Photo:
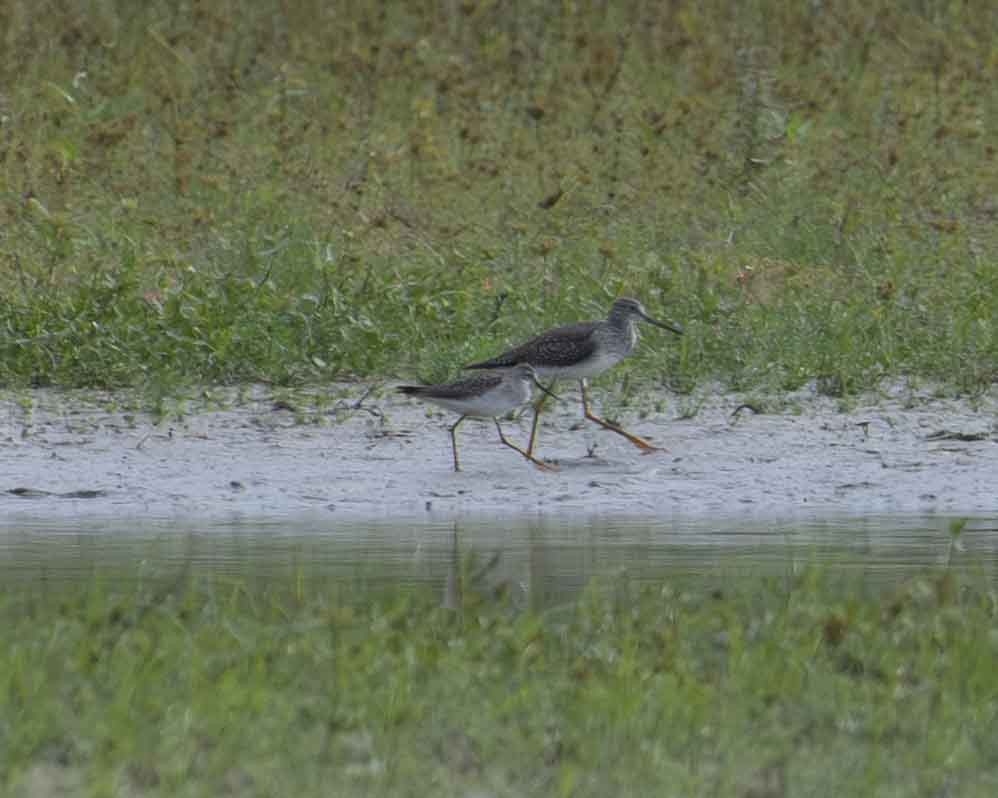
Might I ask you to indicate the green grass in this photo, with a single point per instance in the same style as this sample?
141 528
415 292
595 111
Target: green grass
297 191
812 685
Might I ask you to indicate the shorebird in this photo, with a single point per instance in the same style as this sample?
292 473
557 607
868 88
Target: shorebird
579 351
485 395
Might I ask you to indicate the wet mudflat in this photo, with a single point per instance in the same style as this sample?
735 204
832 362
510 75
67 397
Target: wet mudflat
899 451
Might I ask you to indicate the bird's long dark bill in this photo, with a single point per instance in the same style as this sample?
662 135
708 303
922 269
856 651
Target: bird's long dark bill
552 395
670 327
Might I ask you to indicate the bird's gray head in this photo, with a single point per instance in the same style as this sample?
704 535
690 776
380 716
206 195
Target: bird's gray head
626 310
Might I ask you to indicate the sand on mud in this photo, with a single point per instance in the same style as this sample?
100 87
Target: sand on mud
72 455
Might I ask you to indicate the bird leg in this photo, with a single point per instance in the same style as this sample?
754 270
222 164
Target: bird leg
641 443
531 458
453 441
537 419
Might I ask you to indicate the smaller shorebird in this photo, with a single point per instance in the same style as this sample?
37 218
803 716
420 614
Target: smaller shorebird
486 395
582 350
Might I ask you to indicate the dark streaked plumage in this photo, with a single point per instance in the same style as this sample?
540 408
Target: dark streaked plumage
461 391
556 349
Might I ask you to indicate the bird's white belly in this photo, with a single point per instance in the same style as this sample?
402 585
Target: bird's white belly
495 403
588 368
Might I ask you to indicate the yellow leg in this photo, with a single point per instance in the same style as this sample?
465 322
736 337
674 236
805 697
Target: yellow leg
531 458
641 443
537 418
453 441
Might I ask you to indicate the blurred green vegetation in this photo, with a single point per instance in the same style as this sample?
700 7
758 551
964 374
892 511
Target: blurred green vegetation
809 685
297 191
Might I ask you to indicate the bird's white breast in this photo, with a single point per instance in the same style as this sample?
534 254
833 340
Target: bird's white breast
506 396
590 368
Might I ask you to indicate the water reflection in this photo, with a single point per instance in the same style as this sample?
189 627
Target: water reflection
542 561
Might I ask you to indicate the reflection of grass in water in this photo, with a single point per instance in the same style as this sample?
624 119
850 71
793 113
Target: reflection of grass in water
287 191
218 686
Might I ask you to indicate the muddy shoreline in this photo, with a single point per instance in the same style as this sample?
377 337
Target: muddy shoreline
72 454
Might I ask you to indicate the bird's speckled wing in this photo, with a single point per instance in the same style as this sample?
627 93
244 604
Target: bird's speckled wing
557 347
462 389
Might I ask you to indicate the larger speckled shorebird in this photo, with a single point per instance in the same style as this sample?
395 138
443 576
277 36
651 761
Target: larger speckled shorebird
486 395
579 351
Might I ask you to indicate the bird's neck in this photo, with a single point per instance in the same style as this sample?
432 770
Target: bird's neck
620 321
624 324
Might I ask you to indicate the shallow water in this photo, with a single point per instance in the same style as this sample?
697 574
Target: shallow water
542 562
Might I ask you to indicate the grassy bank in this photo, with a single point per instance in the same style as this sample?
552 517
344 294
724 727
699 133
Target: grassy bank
296 191
810 686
